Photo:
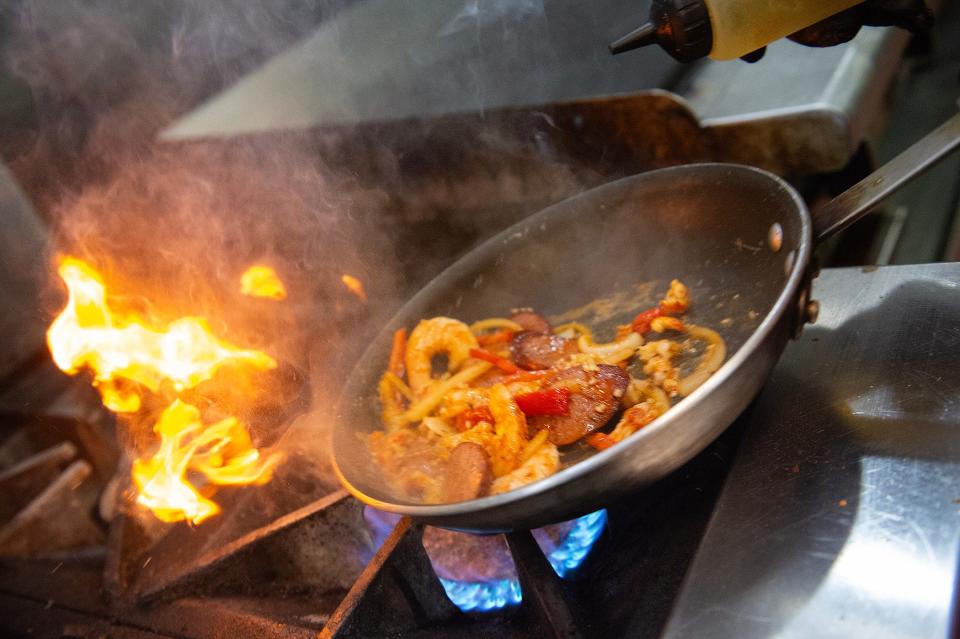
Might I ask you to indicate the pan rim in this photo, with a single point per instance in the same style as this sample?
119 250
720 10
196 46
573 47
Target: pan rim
476 507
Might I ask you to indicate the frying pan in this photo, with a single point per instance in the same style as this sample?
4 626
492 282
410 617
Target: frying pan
739 237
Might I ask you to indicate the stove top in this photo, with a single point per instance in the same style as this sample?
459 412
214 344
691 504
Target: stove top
829 509
840 515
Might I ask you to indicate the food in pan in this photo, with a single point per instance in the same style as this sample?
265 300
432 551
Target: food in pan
481 409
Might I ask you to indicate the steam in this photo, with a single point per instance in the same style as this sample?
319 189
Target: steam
106 75
174 225
178 223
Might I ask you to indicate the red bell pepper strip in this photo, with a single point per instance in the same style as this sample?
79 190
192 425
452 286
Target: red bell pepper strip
500 337
641 323
550 401
600 441
503 364
473 416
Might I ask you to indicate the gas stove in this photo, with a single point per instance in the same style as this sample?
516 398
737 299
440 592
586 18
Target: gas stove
828 509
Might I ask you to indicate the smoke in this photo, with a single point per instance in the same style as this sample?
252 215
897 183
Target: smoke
173 225
106 75
178 223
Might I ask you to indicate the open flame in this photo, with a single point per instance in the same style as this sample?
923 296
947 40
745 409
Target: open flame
87 334
262 281
222 452
354 285
127 354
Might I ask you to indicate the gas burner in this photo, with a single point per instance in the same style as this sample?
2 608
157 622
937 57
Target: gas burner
478 573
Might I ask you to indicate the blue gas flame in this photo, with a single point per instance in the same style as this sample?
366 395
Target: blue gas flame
484 596
489 596
578 543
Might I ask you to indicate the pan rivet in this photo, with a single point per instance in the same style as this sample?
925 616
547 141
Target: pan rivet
788 264
775 237
813 311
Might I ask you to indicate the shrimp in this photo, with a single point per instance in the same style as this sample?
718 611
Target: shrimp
543 463
510 430
665 323
461 399
677 299
635 418
431 337
646 402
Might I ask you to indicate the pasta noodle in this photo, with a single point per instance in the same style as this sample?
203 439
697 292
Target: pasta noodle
518 393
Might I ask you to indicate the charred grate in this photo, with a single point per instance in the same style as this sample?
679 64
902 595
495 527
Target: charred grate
294 577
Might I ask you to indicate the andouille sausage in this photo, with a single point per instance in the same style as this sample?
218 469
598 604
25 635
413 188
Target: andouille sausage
536 351
530 320
468 473
594 399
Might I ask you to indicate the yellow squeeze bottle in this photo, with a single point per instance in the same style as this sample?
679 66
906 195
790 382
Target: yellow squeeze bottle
725 29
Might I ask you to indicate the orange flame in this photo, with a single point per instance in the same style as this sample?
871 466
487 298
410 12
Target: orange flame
355 286
262 281
222 452
88 334
121 348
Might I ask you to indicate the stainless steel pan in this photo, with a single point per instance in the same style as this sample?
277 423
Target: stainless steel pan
741 238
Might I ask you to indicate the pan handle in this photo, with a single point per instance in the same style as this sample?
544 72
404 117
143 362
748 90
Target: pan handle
858 200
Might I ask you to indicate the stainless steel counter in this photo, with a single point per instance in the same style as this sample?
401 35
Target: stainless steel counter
841 514
798 111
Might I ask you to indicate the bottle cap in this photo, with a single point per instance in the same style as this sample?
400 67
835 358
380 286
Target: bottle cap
681 27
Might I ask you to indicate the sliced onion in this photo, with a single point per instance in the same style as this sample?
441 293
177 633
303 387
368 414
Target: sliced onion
630 343
713 358
571 329
641 389
484 325
619 356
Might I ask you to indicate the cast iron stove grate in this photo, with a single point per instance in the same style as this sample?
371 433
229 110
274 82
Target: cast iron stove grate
318 568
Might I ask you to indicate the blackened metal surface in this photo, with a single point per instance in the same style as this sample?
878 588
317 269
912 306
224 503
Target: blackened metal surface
848 207
59 518
23 482
317 549
397 592
542 589
42 408
68 588
799 110
468 558
452 181
54 462
839 518
22 277
641 559
148 557
628 585
26 618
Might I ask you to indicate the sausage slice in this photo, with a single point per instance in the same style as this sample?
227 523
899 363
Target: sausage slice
594 399
468 473
536 351
530 320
